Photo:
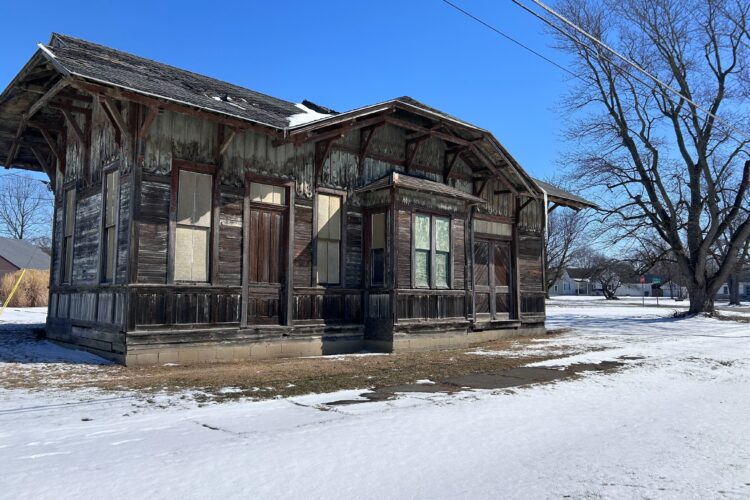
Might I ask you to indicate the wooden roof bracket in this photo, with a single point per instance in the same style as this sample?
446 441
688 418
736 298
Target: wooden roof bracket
151 115
449 164
322 150
364 142
414 143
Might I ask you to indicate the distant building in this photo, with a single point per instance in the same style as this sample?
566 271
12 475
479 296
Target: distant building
20 254
573 281
744 290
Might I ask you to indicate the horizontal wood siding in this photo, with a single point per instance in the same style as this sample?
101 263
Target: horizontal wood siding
123 231
153 226
230 240
459 253
353 255
403 252
302 245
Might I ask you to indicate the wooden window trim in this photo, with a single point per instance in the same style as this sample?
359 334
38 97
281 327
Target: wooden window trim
102 241
200 168
342 243
432 278
67 280
369 249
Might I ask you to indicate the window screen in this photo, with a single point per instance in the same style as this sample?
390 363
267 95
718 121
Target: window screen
328 240
194 197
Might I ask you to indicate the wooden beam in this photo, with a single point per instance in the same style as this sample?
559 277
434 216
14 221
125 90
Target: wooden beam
43 163
414 143
49 139
322 150
525 204
440 135
74 126
227 141
42 101
118 120
364 142
482 185
552 207
148 121
177 107
488 163
16 144
450 164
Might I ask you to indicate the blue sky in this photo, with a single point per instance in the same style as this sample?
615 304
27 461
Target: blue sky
342 54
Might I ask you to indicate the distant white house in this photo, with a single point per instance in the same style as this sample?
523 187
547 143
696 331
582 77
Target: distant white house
744 279
573 282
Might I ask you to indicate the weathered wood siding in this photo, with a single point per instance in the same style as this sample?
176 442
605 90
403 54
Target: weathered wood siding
153 228
86 239
230 239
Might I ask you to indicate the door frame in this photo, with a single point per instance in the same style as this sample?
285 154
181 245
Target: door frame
286 292
491 288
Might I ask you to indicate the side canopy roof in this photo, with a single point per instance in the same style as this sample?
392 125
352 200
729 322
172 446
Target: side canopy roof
67 71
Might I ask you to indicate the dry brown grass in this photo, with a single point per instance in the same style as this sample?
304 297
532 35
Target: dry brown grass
32 292
285 377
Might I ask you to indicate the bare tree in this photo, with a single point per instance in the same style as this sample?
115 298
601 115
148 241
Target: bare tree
25 208
564 230
675 163
610 273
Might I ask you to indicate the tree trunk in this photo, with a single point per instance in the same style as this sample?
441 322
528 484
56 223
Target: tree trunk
734 289
700 301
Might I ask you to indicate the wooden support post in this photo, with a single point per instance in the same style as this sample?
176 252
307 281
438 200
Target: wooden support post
482 186
516 262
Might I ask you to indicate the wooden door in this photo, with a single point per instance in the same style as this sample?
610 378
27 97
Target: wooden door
492 279
267 251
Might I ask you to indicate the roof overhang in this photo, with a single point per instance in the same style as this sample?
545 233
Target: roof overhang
559 197
418 184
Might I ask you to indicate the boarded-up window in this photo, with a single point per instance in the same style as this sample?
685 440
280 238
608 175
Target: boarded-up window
68 226
328 240
193 226
111 205
429 250
377 249
267 193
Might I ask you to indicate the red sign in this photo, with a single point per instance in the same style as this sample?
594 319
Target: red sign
643 280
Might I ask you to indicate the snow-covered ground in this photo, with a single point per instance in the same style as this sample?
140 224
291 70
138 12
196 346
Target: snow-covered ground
675 423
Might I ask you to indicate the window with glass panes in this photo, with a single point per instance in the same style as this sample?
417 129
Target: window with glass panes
68 226
193 235
377 249
328 239
432 251
111 192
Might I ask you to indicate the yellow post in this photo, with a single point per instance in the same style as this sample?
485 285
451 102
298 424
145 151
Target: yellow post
12 292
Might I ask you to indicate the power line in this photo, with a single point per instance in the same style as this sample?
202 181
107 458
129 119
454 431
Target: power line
508 37
628 61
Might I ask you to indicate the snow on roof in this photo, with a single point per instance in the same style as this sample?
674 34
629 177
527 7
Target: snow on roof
308 115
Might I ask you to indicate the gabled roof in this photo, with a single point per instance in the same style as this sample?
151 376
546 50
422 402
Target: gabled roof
413 183
23 254
88 65
109 66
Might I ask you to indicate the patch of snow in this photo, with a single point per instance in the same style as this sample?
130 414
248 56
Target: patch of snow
672 424
306 116
424 381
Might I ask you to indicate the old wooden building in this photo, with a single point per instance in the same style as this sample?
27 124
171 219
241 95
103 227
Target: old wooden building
197 221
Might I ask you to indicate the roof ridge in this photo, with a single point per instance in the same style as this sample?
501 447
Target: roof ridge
62 37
